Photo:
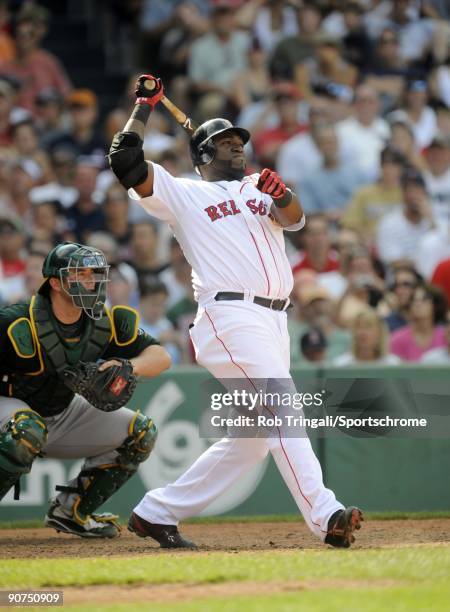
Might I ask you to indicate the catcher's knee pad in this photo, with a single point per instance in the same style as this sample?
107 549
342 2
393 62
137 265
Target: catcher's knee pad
21 442
142 434
98 484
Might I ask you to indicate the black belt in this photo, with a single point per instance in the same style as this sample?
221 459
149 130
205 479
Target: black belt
266 302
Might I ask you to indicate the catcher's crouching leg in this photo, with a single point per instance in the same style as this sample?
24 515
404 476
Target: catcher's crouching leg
21 442
97 484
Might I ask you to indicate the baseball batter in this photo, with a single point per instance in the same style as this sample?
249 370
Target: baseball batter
43 340
230 227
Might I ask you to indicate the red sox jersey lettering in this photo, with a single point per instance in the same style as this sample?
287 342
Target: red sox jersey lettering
229 208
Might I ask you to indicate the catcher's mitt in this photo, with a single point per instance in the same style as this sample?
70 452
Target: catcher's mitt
107 390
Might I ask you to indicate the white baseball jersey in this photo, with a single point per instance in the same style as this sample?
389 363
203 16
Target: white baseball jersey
226 231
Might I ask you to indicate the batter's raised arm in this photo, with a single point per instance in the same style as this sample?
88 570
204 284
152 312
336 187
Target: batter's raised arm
287 208
126 156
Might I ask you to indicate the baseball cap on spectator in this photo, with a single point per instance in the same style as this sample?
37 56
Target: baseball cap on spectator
48 95
411 175
310 294
313 340
82 98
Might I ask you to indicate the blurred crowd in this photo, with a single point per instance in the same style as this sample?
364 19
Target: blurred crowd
348 100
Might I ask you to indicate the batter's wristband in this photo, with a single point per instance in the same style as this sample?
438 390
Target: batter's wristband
141 111
285 200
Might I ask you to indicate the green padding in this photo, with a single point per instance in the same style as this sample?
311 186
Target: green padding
22 337
125 324
383 474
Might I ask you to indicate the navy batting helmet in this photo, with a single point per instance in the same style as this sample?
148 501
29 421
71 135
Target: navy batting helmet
201 145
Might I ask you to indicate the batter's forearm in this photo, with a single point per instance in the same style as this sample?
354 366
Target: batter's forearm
138 120
290 214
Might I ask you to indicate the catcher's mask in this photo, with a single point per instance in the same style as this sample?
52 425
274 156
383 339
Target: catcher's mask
201 145
68 262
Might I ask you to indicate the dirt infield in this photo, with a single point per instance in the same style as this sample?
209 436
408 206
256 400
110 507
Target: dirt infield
231 537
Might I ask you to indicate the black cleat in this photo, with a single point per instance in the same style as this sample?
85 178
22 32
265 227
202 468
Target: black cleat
341 526
168 536
96 526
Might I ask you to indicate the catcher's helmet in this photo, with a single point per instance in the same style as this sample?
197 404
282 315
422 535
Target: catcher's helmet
65 261
201 145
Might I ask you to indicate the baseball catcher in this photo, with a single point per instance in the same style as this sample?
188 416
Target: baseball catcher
68 367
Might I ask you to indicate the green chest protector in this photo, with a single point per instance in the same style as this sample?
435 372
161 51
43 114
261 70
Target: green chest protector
57 355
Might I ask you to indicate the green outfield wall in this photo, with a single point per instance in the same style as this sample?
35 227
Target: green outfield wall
378 470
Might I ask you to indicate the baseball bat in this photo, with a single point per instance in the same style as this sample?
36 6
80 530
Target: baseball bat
180 117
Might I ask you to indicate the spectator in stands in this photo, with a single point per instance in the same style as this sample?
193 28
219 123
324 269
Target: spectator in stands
372 201
25 140
51 123
34 67
267 142
356 41
327 66
442 118
317 254
177 278
437 178
62 187
406 279
363 135
313 346
271 21
300 156
116 211
364 286
314 308
387 69
370 342
46 221
23 176
402 139
330 189
216 59
292 51
440 355
6 106
12 260
85 216
153 306
417 113
33 272
399 232
253 84
424 330
84 136
144 252
7 46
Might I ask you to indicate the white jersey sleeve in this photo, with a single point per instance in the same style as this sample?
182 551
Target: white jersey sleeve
169 195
